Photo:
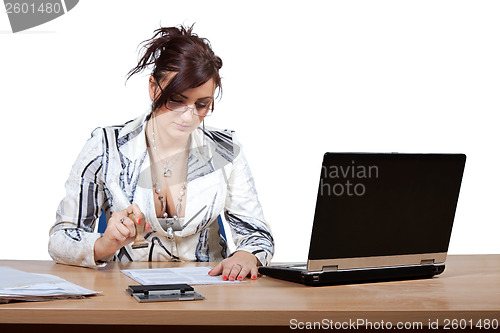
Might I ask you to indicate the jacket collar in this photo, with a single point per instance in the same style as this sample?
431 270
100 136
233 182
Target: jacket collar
131 140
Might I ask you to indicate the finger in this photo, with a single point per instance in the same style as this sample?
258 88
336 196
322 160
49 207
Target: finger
147 227
130 209
134 209
130 224
116 217
235 270
217 270
126 227
115 234
225 272
243 273
254 273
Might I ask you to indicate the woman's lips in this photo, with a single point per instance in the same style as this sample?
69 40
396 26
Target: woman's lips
181 127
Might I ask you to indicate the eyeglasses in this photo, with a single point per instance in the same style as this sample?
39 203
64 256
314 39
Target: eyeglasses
199 109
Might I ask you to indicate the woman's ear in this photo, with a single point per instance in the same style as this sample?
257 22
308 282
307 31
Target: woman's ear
152 88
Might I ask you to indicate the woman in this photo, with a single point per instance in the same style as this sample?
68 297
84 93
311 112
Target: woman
166 166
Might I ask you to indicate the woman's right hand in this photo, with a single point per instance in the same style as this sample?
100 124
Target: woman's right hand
120 231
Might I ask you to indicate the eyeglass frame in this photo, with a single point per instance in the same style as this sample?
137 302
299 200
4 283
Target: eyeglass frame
193 108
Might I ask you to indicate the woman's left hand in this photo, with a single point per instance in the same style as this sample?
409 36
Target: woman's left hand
237 267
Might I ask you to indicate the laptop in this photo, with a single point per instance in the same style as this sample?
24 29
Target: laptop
379 217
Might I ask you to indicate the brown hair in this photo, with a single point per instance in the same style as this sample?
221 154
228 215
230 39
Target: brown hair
177 49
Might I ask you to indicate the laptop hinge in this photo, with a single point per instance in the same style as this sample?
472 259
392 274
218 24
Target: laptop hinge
332 268
427 262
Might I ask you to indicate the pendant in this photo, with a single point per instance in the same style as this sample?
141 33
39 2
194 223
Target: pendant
170 233
167 173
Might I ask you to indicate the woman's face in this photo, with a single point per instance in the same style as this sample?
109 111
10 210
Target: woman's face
179 125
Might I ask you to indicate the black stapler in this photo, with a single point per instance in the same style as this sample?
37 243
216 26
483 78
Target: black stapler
164 293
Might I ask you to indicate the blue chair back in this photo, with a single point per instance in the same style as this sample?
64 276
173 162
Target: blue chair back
102 224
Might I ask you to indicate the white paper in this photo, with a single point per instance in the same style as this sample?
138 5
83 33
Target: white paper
189 275
10 278
15 283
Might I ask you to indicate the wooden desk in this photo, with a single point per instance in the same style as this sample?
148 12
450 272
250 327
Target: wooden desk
468 289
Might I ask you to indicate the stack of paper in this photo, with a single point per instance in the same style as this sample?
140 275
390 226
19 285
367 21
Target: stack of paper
189 275
17 285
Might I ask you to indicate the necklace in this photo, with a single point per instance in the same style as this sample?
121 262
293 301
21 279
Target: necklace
166 166
170 224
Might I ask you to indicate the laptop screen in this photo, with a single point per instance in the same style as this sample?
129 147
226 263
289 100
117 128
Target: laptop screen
385 204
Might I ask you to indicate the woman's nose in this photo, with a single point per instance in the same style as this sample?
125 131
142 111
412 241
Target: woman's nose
188 114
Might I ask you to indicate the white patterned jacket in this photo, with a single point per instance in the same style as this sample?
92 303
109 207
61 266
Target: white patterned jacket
113 171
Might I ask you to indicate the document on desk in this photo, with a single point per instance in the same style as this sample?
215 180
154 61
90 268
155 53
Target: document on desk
16 285
176 275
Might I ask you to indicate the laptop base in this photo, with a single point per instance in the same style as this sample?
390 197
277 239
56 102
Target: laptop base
368 275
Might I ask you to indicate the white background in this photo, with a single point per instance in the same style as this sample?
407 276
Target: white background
299 79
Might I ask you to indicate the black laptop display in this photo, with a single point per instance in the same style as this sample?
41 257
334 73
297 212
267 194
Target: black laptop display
380 217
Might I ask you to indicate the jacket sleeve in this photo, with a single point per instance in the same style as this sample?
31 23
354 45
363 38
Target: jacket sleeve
71 238
243 211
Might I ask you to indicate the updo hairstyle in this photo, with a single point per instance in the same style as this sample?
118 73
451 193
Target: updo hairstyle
177 49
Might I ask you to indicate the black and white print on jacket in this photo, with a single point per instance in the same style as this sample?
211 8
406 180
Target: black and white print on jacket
113 171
